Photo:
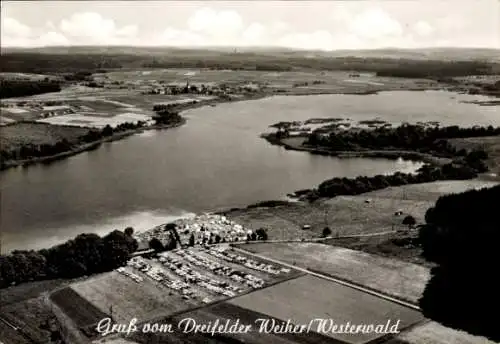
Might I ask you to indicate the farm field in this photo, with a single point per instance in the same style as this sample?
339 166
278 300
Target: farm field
189 278
393 277
222 312
81 312
30 316
434 333
293 81
14 135
95 120
128 298
400 245
308 295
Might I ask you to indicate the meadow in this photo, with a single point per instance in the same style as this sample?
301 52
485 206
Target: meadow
129 299
18 134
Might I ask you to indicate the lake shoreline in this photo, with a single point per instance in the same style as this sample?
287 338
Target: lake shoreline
116 136
416 156
389 154
87 146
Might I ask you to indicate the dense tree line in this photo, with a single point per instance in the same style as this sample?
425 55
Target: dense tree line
166 116
462 236
40 63
71 59
29 150
405 137
84 255
432 70
24 88
460 169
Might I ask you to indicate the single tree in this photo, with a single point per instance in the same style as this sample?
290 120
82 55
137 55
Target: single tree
326 232
129 231
409 221
156 245
261 234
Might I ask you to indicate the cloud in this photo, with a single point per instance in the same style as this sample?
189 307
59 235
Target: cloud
423 28
339 25
52 38
255 33
13 28
92 28
375 24
215 23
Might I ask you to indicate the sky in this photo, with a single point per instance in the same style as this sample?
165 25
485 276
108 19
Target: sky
312 25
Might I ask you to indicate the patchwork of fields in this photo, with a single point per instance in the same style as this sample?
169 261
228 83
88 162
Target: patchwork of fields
300 81
312 297
166 286
158 295
228 311
395 278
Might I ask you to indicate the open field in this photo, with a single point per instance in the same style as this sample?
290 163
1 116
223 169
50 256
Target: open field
402 245
429 192
96 121
228 311
189 278
29 290
389 276
491 145
305 296
296 82
81 312
14 135
345 215
128 298
434 333
28 316
371 212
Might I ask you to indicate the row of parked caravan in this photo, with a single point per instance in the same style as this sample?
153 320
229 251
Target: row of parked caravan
225 254
160 276
221 269
129 274
186 271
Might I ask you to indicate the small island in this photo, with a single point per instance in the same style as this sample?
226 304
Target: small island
438 147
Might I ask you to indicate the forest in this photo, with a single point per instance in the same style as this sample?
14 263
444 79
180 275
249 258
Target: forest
24 88
461 236
84 255
432 140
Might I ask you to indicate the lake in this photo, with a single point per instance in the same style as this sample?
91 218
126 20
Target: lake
217 160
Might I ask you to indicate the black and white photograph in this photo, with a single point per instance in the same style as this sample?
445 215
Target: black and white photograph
250 172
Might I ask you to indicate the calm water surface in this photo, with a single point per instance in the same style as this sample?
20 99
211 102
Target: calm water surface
215 161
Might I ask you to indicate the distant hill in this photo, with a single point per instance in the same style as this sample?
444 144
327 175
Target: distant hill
447 54
416 63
